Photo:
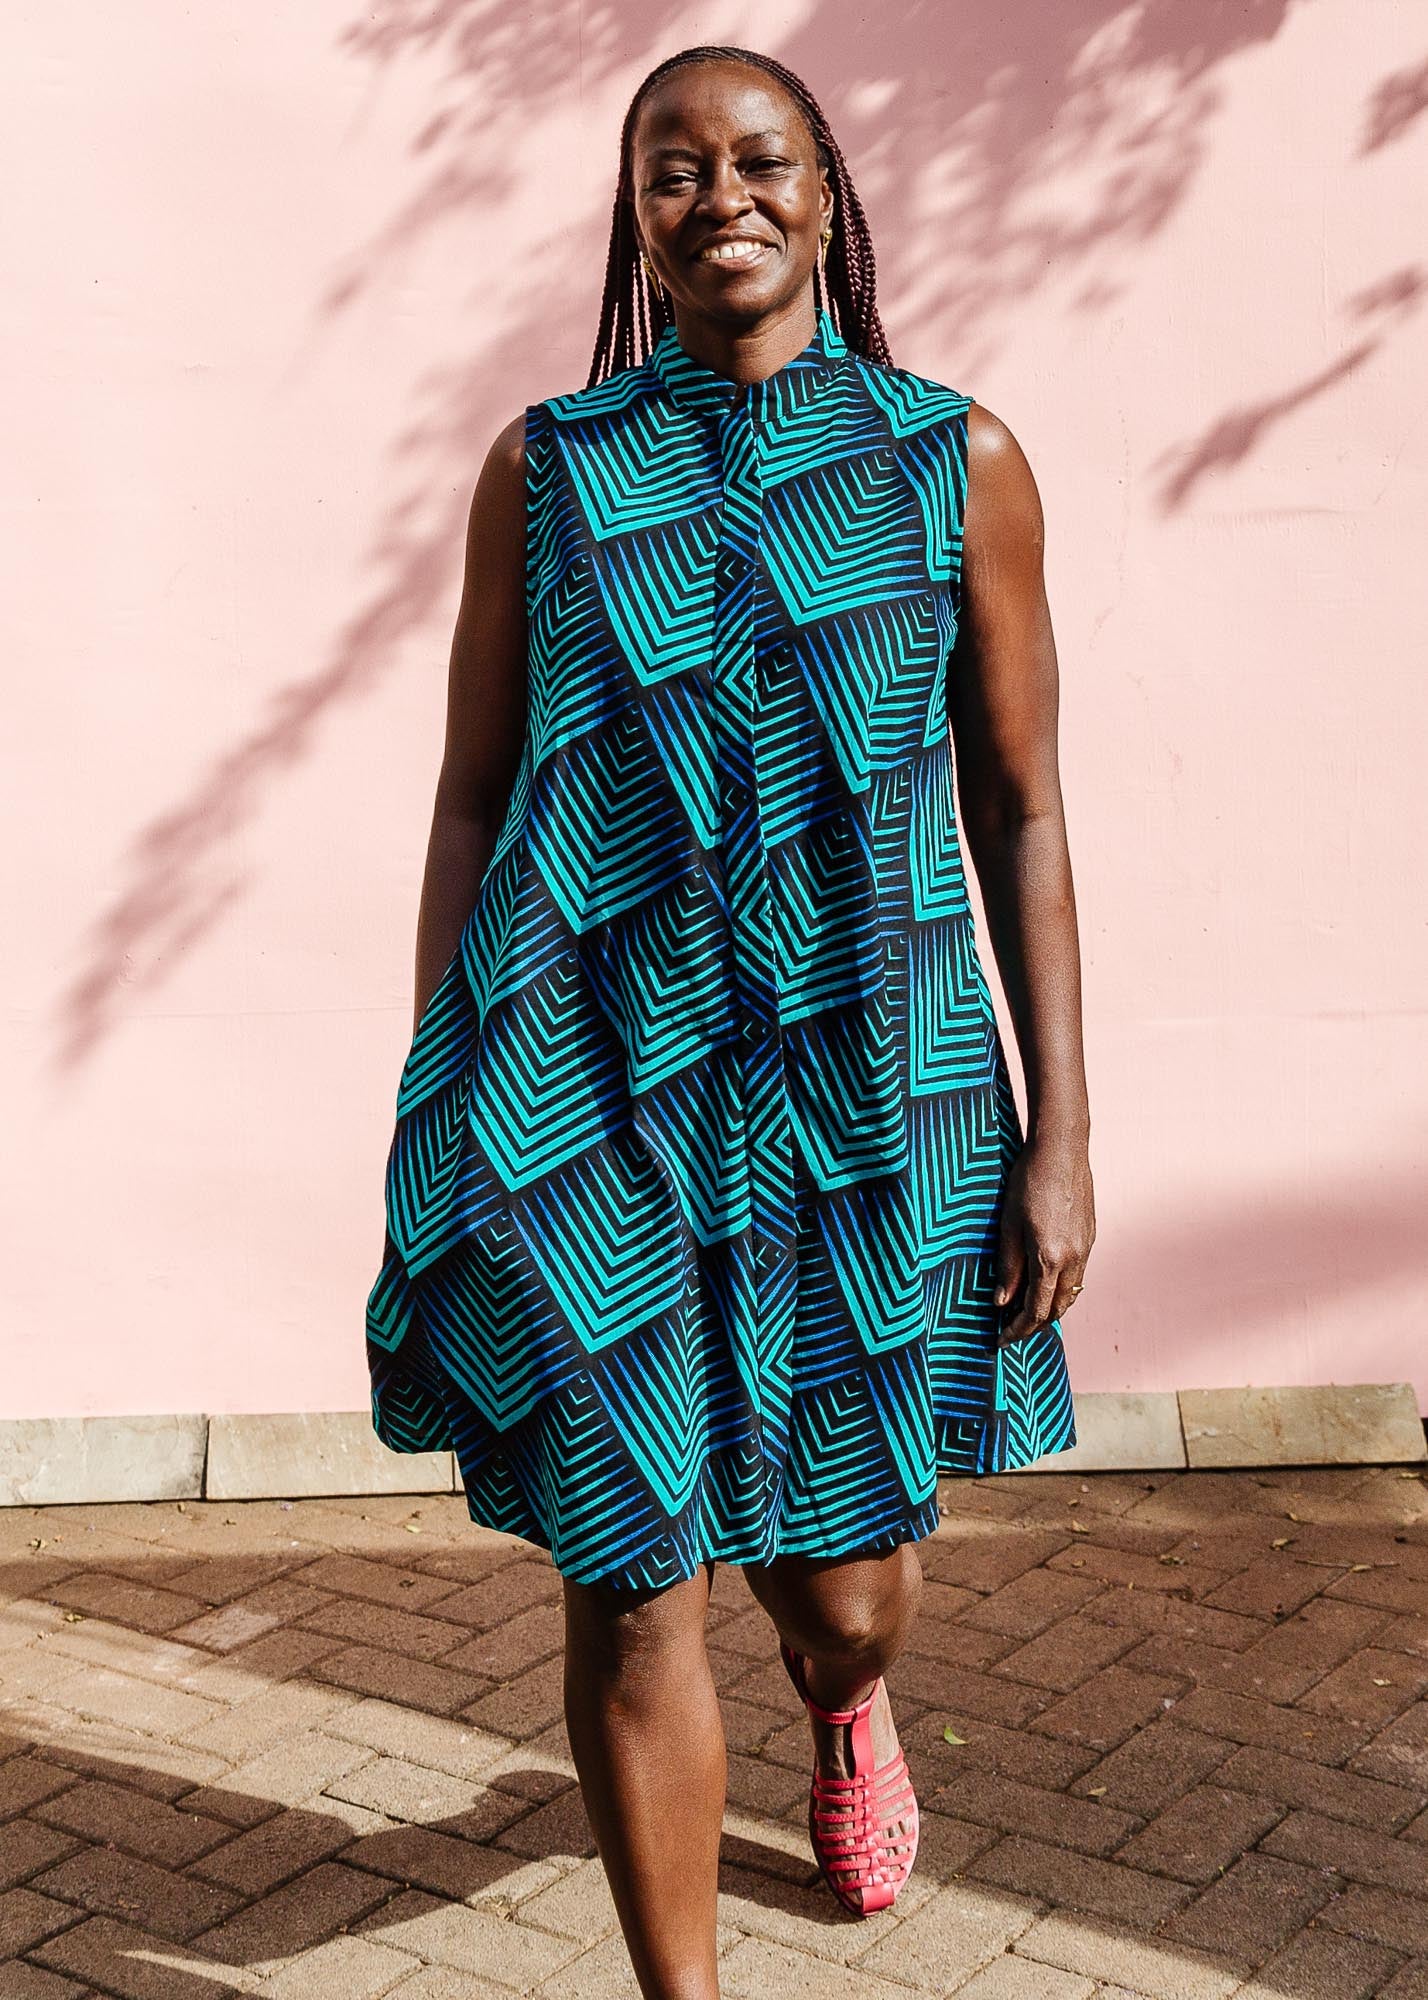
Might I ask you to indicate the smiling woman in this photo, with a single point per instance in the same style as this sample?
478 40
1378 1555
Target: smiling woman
708 123
713 1233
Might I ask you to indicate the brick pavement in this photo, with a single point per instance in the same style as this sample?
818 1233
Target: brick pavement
1170 1735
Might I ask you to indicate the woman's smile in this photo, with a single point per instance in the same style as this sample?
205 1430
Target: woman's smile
734 255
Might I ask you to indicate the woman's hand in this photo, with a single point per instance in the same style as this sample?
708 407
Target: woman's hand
1047 1227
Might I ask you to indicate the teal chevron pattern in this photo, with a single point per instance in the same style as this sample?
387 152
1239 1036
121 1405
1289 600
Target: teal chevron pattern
700 1144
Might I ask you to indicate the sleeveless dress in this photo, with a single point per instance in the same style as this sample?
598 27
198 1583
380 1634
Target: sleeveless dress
692 1198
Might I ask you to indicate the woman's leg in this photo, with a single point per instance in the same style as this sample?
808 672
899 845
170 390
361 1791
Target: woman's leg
850 1616
642 1714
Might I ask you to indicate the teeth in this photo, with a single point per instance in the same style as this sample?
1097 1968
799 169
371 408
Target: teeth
731 252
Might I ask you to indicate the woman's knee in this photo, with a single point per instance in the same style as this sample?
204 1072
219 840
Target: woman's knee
878 1605
858 1610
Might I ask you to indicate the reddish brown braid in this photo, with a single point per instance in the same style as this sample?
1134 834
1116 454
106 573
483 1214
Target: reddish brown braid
634 310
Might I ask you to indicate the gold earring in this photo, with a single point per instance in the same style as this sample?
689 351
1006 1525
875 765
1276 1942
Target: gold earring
649 267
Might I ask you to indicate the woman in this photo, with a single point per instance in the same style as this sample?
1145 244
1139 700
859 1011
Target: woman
712 1231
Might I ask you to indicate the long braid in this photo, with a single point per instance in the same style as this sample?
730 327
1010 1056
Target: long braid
634 311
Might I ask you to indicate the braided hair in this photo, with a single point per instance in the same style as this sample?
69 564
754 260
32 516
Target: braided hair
635 310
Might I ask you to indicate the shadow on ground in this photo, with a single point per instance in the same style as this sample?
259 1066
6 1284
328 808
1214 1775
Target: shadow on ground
1169 1735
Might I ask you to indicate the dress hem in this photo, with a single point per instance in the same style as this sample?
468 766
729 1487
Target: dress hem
640 1574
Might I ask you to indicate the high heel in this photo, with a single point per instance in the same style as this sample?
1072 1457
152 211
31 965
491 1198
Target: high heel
850 1820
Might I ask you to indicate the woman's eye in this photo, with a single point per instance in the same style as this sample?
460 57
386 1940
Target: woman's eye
679 179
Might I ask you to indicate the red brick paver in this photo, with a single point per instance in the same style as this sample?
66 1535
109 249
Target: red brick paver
316 1751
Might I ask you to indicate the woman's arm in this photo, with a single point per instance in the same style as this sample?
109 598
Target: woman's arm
485 710
1003 696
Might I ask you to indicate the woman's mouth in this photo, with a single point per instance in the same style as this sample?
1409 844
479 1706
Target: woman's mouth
734 256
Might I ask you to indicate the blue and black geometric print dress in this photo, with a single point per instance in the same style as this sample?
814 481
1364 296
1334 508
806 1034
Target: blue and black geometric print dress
692 1200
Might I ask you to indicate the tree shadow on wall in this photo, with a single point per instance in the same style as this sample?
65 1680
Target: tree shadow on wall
1043 143
1392 110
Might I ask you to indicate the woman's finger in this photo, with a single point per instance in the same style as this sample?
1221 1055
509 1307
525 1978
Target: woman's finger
1010 1266
1035 1308
1067 1287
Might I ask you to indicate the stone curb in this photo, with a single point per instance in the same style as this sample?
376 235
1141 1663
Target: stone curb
330 1454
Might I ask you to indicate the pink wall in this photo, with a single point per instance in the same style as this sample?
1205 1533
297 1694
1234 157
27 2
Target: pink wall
278 277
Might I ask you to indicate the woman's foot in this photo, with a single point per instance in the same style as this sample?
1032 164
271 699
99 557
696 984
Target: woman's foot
833 1745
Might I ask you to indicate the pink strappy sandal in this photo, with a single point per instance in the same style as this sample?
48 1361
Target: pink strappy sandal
850 1820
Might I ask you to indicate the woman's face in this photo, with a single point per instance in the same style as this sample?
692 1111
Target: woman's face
720 153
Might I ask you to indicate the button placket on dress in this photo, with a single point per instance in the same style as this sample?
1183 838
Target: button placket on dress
760 1052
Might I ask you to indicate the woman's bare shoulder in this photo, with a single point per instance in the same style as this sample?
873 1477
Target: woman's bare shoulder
992 446
498 503
1002 495
506 456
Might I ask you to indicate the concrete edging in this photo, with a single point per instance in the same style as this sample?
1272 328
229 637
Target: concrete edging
293 1455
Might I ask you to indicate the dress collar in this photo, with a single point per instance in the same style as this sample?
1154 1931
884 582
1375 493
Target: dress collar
798 382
